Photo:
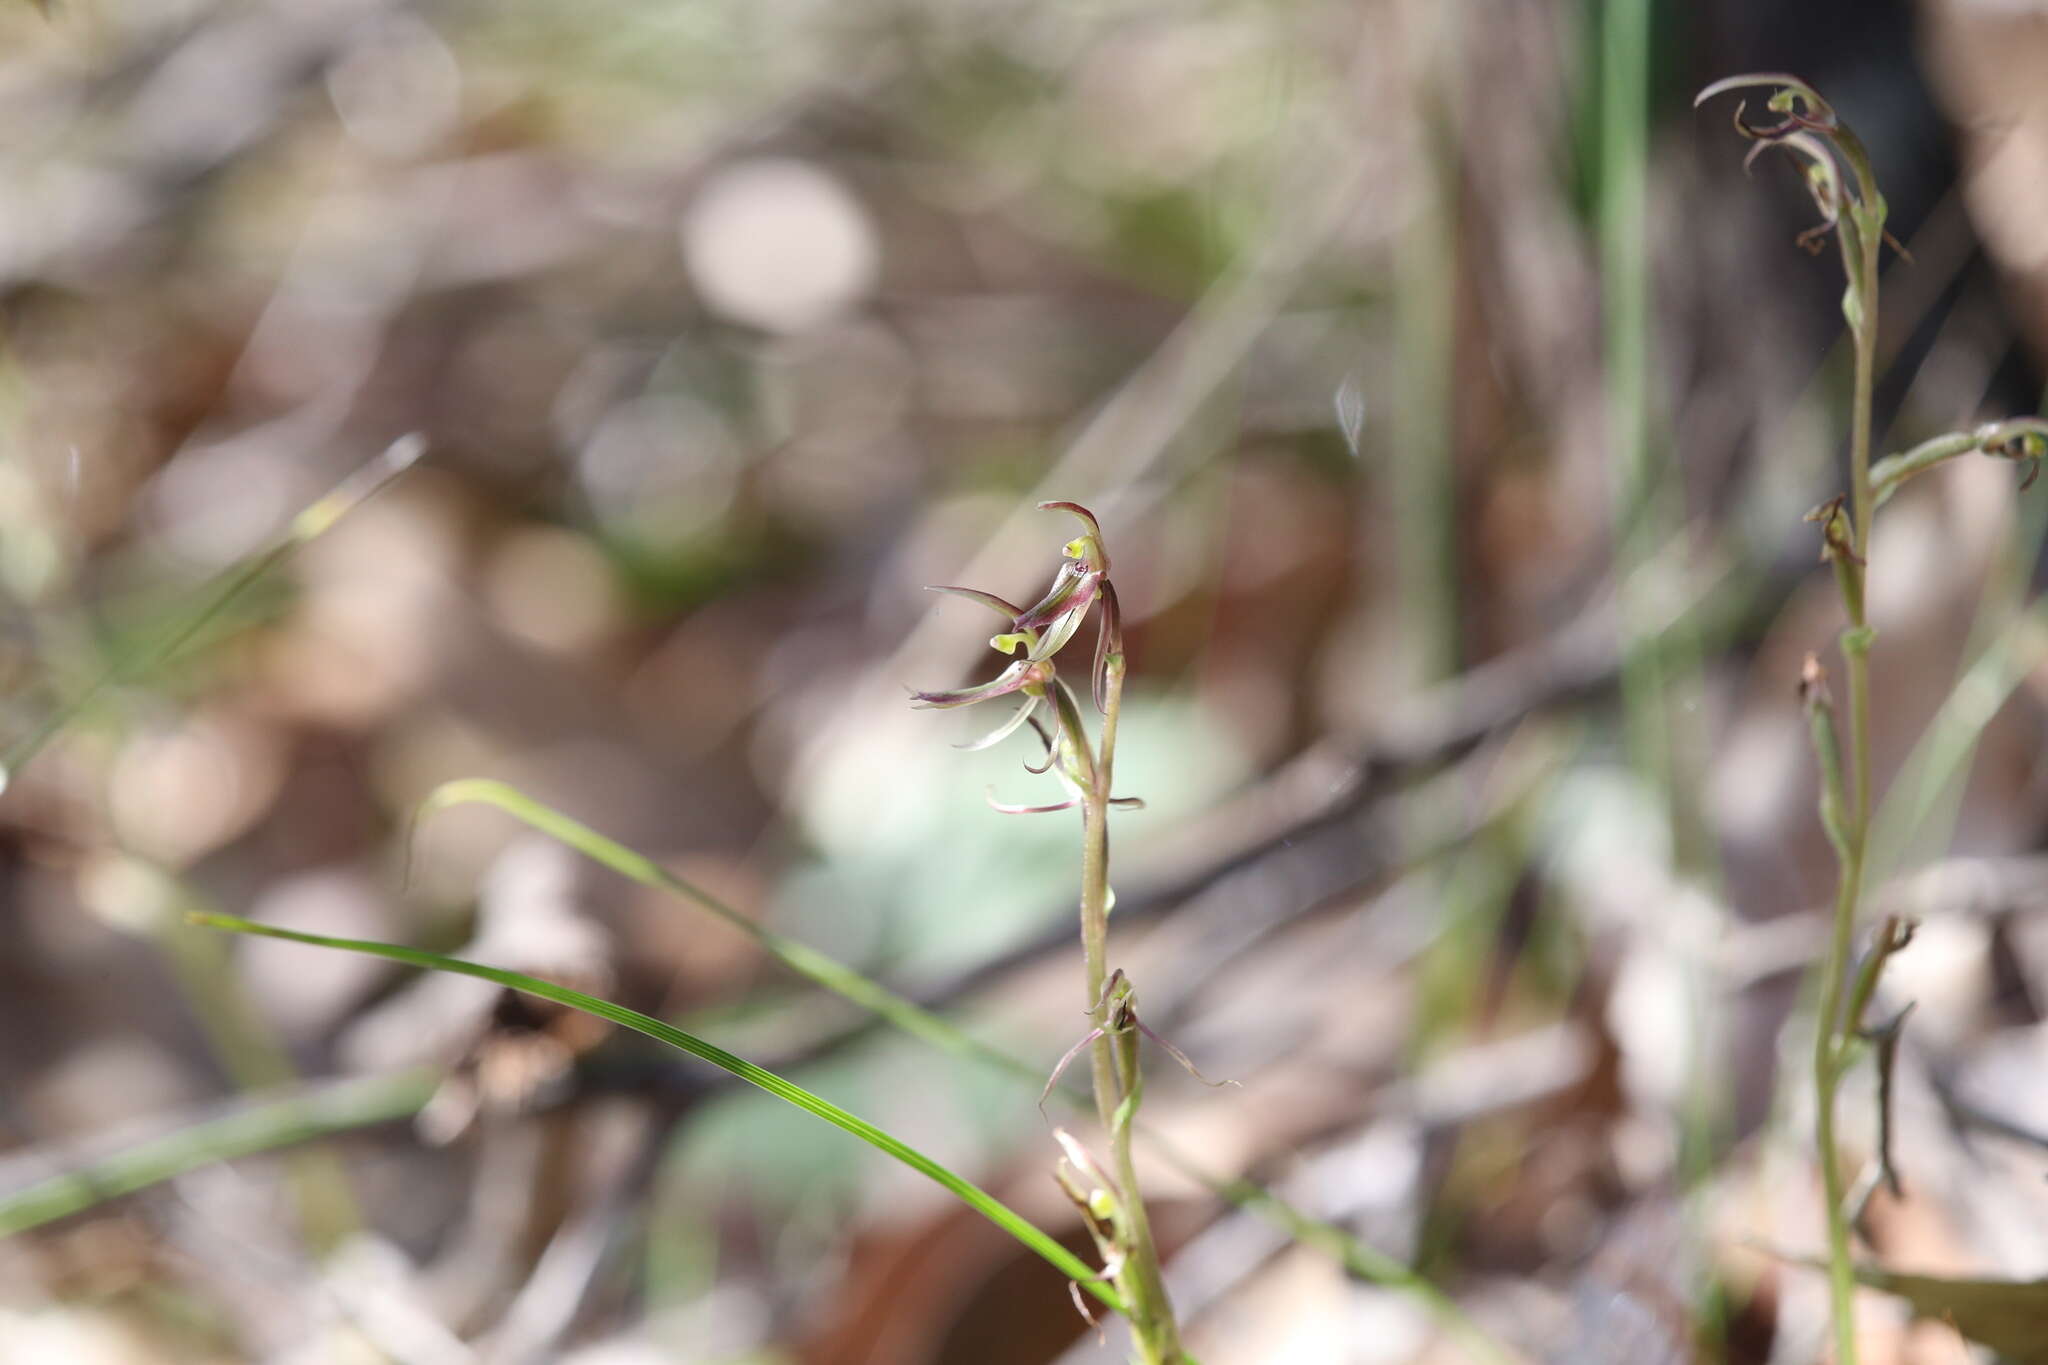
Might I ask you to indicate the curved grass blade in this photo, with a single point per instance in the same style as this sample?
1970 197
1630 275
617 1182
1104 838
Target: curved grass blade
259 1125
976 1198
919 1022
1917 815
314 1114
799 957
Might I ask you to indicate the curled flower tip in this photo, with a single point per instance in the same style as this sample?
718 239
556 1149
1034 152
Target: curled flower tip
1743 129
1087 1313
1089 549
1051 751
1757 146
1087 517
1800 102
988 599
1821 174
2021 438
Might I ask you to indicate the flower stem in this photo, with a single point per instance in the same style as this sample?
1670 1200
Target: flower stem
1095 948
1862 236
1119 1085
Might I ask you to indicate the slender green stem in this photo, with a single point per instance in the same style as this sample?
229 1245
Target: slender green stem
1862 233
1152 1321
1827 1074
1095 949
1118 1084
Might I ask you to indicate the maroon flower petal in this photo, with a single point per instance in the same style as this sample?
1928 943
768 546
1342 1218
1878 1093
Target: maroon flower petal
1012 679
1072 590
1109 640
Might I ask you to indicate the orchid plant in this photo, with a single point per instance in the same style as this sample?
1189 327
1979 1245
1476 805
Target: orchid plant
1105 1194
1843 185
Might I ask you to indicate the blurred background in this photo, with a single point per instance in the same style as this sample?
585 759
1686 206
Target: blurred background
1451 402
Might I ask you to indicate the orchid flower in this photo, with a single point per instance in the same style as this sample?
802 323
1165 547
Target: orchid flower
1035 634
1120 1016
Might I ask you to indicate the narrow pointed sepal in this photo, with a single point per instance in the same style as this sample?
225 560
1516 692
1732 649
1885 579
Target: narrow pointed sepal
1000 606
1005 808
1063 1064
1015 678
1087 517
1179 1056
1789 90
1003 731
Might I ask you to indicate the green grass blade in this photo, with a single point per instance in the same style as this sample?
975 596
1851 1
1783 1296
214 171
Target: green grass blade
942 1033
987 1205
801 958
258 1126
1917 815
309 1116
